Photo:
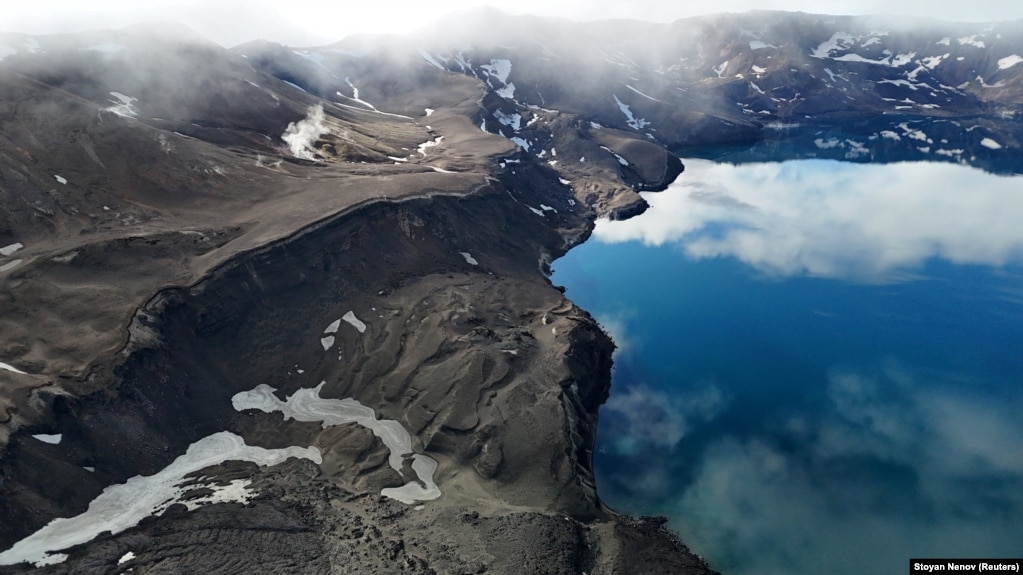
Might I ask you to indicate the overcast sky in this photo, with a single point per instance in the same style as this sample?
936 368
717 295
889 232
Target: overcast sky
316 22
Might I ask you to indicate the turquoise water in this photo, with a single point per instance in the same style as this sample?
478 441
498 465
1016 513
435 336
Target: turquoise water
820 364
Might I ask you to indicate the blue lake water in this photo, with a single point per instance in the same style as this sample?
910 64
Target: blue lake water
820 364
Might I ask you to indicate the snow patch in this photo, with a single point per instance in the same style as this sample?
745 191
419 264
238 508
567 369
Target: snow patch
60 179
759 45
536 211
500 68
430 144
635 123
354 321
123 106
932 62
971 41
307 405
54 559
899 82
522 143
327 342
1009 61
513 121
838 41
8 250
620 159
469 259
642 94
52 439
10 265
914 134
124 505
990 144
126 558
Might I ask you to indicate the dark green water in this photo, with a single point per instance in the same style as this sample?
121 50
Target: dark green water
820 365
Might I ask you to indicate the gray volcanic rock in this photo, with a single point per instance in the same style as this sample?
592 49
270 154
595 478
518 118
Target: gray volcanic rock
189 227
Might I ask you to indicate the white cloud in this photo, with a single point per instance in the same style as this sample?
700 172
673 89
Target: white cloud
834 219
316 22
301 136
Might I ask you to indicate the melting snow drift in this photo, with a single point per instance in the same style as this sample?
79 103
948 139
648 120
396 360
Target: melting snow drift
354 321
124 505
53 439
307 405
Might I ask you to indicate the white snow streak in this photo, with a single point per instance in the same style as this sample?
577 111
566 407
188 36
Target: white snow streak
8 250
124 505
1008 62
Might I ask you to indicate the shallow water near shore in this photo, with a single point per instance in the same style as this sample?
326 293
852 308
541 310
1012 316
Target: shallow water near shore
819 364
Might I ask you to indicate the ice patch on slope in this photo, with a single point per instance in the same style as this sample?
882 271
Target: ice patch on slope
52 439
971 41
635 123
123 106
124 505
307 405
1009 61
354 322
500 68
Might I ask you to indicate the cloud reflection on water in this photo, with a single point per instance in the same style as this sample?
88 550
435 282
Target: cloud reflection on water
825 218
898 463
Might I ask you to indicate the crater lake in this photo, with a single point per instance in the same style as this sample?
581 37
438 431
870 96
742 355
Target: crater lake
819 363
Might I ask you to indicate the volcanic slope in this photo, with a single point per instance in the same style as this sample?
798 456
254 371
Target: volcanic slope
192 245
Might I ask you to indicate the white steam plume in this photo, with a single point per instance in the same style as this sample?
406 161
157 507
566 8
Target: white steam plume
300 136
